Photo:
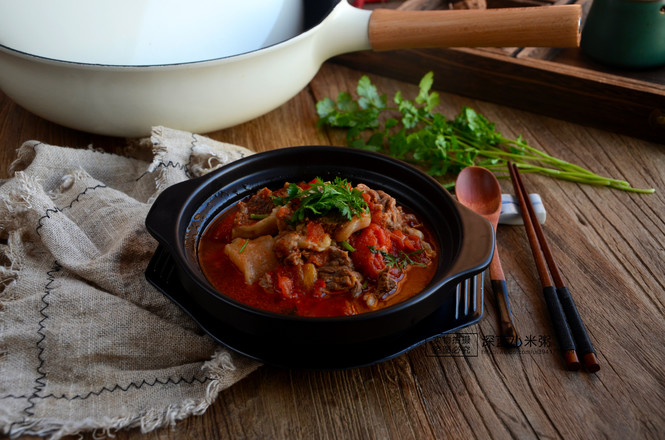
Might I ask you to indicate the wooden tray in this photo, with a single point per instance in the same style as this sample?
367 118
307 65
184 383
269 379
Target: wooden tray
562 83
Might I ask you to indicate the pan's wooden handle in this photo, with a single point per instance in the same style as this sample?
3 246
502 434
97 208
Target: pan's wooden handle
537 26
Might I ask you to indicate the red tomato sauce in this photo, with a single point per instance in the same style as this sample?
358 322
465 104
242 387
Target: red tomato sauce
372 246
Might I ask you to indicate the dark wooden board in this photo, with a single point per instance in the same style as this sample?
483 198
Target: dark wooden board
562 83
609 245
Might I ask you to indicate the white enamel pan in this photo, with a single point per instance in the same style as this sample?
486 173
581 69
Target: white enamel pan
120 67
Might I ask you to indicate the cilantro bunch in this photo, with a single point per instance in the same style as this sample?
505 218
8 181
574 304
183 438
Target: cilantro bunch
439 145
336 198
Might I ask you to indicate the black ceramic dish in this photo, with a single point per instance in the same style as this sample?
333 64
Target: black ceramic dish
182 212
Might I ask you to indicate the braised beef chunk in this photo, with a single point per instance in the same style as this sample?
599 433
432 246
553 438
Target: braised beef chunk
286 248
338 273
256 216
389 215
385 285
260 204
306 237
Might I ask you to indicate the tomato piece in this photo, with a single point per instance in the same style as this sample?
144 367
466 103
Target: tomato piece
283 213
405 242
285 286
315 232
368 244
286 282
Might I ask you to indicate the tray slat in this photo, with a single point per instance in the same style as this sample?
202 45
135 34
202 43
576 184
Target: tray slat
562 83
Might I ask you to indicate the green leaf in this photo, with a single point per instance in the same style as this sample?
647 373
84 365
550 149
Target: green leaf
409 114
369 97
390 123
413 132
337 198
398 145
325 107
430 100
477 126
346 103
376 140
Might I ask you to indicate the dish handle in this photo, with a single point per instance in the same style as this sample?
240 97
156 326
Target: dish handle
163 216
477 245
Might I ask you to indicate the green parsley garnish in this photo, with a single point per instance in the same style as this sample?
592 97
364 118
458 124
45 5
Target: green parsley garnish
440 146
347 246
400 261
336 198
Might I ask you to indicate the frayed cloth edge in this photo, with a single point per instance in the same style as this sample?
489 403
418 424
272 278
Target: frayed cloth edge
150 420
25 154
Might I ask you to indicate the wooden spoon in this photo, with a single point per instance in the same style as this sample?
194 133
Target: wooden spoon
477 189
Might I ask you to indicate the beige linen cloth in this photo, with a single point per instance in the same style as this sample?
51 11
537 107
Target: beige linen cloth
86 343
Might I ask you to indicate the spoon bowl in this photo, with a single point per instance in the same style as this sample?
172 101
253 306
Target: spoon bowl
478 189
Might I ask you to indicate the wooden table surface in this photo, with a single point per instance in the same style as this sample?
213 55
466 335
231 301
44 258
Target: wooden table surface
610 247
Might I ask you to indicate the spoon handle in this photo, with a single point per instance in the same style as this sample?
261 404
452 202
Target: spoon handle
546 26
508 330
500 288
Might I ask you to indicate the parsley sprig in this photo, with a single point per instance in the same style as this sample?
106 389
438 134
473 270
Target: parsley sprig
399 261
439 145
337 198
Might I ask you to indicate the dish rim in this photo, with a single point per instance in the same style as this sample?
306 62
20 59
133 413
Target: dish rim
199 192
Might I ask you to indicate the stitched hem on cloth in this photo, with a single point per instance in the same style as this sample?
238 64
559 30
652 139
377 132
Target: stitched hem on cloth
149 420
217 373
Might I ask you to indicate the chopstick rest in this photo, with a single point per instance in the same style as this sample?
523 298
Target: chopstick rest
566 320
511 213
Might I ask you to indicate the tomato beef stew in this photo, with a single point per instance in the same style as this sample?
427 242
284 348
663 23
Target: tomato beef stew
318 249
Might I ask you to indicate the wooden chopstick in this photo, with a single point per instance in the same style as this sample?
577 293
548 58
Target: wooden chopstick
565 338
573 318
563 312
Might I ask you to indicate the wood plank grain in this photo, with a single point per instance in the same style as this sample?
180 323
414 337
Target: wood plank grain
544 27
610 247
558 90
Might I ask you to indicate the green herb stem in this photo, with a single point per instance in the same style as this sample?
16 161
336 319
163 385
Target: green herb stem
258 216
439 145
347 246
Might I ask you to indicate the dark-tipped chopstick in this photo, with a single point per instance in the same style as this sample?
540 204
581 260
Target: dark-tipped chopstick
564 314
557 316
575 324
